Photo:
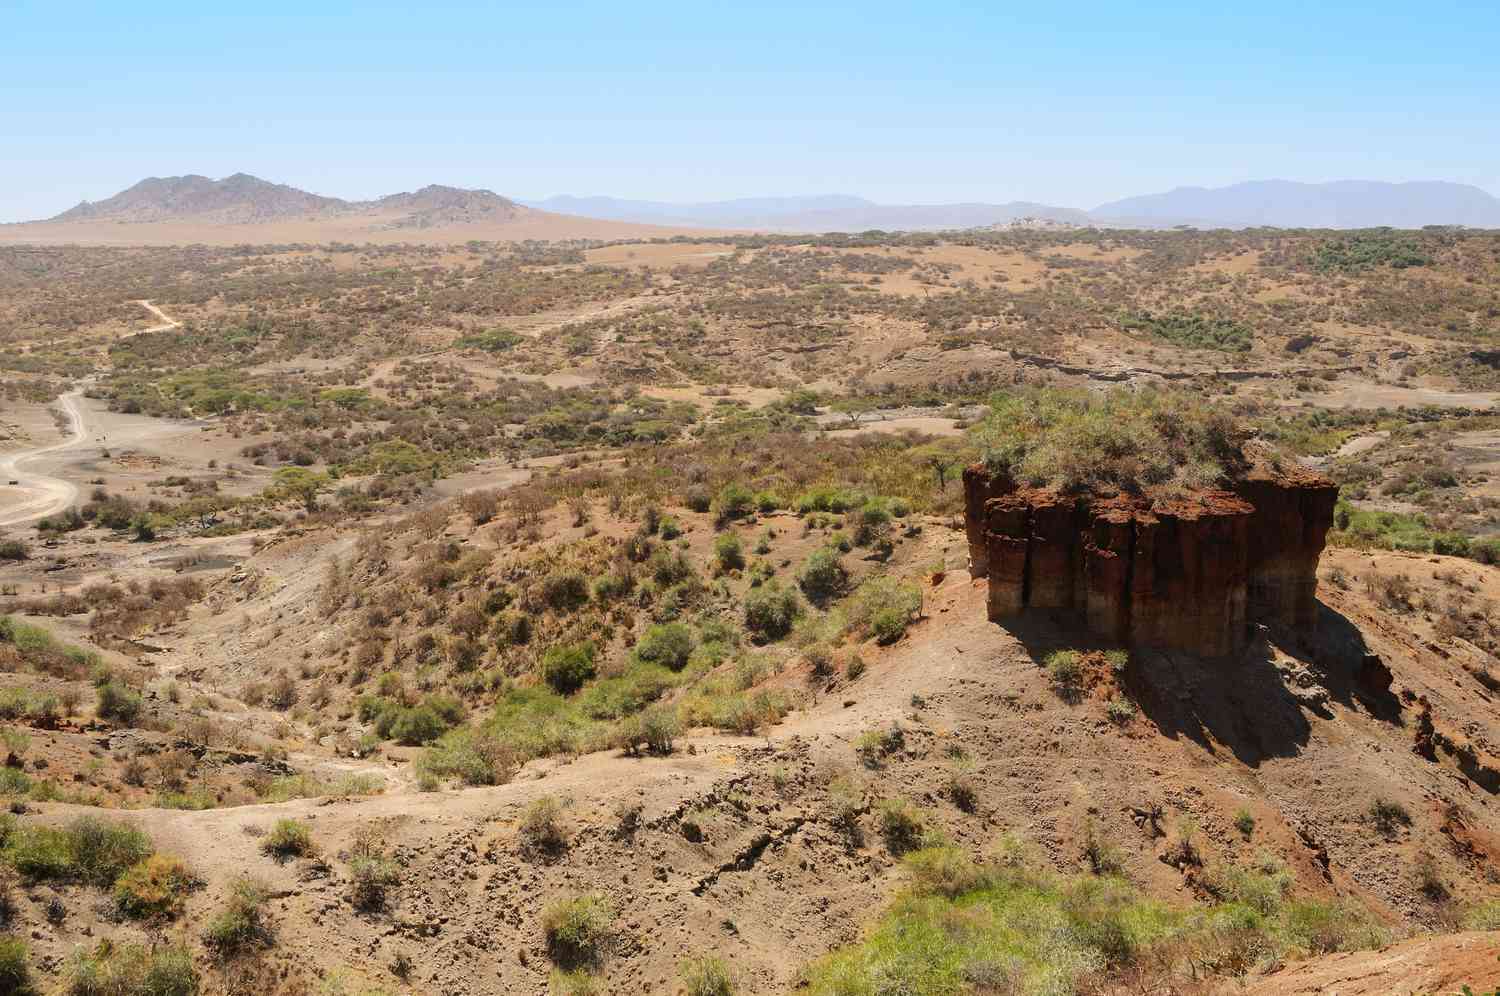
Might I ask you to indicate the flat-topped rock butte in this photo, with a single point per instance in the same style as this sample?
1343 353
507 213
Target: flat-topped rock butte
1183 573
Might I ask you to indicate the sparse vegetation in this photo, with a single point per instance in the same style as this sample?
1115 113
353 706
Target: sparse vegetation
289 839
578 929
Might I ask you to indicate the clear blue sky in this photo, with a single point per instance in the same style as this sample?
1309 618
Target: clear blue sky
1069 104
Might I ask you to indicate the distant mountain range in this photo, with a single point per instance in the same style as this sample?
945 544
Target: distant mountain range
245 208
1342 204
1276 203
825 213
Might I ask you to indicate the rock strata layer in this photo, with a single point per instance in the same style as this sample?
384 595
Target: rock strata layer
1185 573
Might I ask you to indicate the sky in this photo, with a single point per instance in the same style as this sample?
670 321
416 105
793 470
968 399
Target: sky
1069 104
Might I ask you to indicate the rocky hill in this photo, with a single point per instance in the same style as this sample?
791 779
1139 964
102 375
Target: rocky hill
246 210
237 199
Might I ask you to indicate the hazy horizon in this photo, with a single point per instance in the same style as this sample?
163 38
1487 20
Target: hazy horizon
678 104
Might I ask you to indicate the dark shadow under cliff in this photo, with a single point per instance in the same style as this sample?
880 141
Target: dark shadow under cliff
1241 705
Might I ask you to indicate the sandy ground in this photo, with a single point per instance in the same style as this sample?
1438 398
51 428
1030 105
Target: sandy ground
532 224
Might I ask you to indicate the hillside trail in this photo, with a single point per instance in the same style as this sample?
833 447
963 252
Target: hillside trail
44 494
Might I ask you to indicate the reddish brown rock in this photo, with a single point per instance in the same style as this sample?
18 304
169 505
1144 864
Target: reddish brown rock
1186 573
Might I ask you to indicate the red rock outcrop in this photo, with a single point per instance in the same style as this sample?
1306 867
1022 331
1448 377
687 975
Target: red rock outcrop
1184 573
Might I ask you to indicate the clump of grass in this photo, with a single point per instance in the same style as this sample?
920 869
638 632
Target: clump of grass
901 825
578 929
770 611
88 850
1066 672
15 967
883 607
1387 815
541 827
1102 857
960 788
154 889
576 983
289 839
706 975
307 786
111 969
567 666
1120 710
1485 916
874 746
241 922
1244 822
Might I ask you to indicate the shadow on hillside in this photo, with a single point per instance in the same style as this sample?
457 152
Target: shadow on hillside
1340 655
1240 705
1244 704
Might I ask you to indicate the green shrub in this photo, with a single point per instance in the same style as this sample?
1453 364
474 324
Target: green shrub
567 666
564 591
883 608
1387 815
541 828
496 340
241 922
14 782
901 825
653 730
288 839
1065 669
1364 250
667 644
822 576
1485 916
628 693
707 975
118 702
1120 710
578 929
728 553
371 878
412 725
1194 331
828 498
734 501
15 967
1123 440
87 850
579 983
770 611
132 970
154 889
767 502
1244 822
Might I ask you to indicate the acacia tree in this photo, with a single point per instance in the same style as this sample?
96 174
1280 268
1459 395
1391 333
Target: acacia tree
301 484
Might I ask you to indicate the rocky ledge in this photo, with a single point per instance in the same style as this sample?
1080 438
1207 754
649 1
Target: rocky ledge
1184 573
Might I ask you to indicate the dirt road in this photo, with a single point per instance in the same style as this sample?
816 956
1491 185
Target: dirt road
168 322
42 495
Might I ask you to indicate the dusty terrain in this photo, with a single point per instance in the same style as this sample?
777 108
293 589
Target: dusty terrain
332 512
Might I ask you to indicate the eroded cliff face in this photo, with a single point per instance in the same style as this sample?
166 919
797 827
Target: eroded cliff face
1185 574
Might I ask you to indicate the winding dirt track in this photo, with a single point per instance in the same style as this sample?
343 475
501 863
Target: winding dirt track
42 494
